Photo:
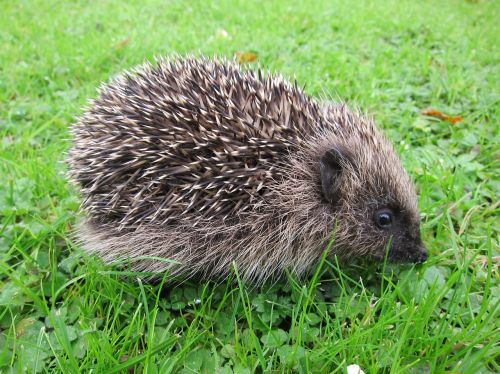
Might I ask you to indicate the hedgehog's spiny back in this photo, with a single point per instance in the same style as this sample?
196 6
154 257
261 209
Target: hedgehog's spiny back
185 136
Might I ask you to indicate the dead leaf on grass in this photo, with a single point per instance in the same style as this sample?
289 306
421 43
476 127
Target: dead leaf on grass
123 43
438 114
244 57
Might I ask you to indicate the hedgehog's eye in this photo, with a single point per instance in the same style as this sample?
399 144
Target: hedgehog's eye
384 218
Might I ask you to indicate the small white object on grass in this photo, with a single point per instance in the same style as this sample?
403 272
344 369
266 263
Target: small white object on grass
354 369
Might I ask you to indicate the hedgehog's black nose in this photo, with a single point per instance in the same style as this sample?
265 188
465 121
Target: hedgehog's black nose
422 255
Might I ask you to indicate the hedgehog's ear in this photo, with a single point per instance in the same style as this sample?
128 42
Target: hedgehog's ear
330 168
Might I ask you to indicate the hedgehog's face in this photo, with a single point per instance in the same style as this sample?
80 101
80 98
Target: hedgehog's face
375 215
400 230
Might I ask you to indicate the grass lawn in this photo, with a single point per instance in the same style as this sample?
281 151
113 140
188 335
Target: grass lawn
63 311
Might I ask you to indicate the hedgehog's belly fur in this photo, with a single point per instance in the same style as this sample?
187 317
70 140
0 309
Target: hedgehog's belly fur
259 245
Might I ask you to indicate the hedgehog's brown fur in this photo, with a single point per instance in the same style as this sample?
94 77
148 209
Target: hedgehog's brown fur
199 162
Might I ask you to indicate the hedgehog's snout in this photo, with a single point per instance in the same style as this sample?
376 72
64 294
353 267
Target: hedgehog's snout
420 254
418 251
408 250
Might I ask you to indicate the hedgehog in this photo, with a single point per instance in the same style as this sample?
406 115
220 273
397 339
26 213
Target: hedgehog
196 166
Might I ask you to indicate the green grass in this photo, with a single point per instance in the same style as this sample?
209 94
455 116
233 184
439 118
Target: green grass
62 311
